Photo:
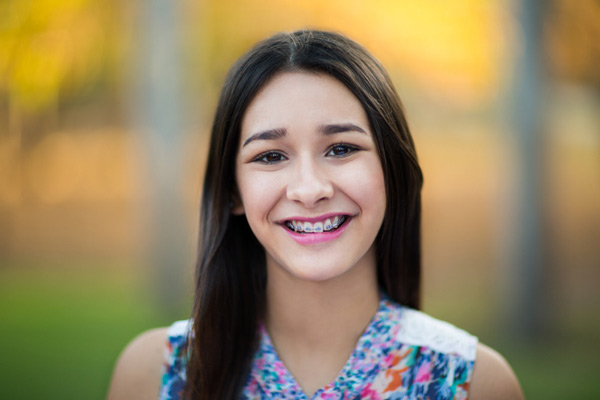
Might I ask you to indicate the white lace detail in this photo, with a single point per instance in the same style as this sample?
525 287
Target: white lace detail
419 329
180 328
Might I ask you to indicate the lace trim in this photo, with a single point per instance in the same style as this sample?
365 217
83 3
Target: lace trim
419 329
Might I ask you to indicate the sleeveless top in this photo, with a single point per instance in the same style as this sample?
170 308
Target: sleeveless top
402 354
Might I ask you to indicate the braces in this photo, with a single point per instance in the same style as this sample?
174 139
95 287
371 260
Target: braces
326 228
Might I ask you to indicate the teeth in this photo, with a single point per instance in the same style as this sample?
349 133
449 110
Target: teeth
317 227
308 227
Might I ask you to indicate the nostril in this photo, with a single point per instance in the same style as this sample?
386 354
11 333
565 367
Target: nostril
309 191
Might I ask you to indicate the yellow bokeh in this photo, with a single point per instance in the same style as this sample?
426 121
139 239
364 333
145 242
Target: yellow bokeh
47 46
444 47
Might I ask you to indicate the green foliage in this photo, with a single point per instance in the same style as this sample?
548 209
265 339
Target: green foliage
62 329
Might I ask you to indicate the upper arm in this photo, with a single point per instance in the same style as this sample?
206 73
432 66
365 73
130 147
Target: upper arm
138 372
493 378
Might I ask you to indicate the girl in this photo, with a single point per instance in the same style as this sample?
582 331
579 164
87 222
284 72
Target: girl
309 261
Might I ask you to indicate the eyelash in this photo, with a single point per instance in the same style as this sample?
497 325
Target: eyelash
261 158
347 148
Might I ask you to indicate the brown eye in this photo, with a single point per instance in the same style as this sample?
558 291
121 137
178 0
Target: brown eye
270 157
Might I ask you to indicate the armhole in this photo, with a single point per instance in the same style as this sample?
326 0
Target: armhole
175 360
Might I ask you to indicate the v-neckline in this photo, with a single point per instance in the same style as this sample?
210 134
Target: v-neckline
364 361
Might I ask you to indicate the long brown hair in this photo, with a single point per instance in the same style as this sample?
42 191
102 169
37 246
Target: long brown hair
231 273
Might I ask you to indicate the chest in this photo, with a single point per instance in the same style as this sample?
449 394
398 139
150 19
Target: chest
406 372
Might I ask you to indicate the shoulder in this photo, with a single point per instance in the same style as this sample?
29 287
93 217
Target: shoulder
492 377
138 372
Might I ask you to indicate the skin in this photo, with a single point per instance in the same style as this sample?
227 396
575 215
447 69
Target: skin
304 172
138 372
320 296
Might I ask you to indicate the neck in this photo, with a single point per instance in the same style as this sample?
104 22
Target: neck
314 314
315 325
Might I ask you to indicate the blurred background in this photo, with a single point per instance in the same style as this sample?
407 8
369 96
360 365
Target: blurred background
105 108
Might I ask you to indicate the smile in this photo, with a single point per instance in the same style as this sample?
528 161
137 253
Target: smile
326 225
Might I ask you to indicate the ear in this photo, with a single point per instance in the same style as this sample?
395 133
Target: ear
237 206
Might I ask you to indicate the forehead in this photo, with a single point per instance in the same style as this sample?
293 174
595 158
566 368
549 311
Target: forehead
302 98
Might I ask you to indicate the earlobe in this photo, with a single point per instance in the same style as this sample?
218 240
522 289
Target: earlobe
235 205
237 209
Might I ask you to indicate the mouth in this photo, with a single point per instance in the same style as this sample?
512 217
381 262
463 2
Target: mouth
325 225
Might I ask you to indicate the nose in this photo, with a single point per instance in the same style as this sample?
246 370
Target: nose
309 184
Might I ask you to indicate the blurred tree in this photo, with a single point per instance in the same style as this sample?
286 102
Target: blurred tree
572 33
159 112
523 292
51 48
53 53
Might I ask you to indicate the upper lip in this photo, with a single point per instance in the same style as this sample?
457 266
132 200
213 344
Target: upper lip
314 219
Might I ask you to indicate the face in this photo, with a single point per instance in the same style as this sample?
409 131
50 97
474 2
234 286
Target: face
309 177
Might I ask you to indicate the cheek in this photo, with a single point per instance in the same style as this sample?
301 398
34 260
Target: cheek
366 185
257 193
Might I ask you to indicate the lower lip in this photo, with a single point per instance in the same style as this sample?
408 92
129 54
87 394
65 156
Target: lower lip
317 238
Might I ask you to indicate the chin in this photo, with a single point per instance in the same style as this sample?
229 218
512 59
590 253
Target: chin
317 273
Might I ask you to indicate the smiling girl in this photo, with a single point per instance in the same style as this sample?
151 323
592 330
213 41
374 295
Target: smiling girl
309 268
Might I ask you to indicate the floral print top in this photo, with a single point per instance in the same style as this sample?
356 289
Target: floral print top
403 354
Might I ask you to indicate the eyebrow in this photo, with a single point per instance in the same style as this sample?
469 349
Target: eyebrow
270 134
327 130
339 128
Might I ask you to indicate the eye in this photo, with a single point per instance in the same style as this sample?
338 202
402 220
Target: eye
270 157
341 150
